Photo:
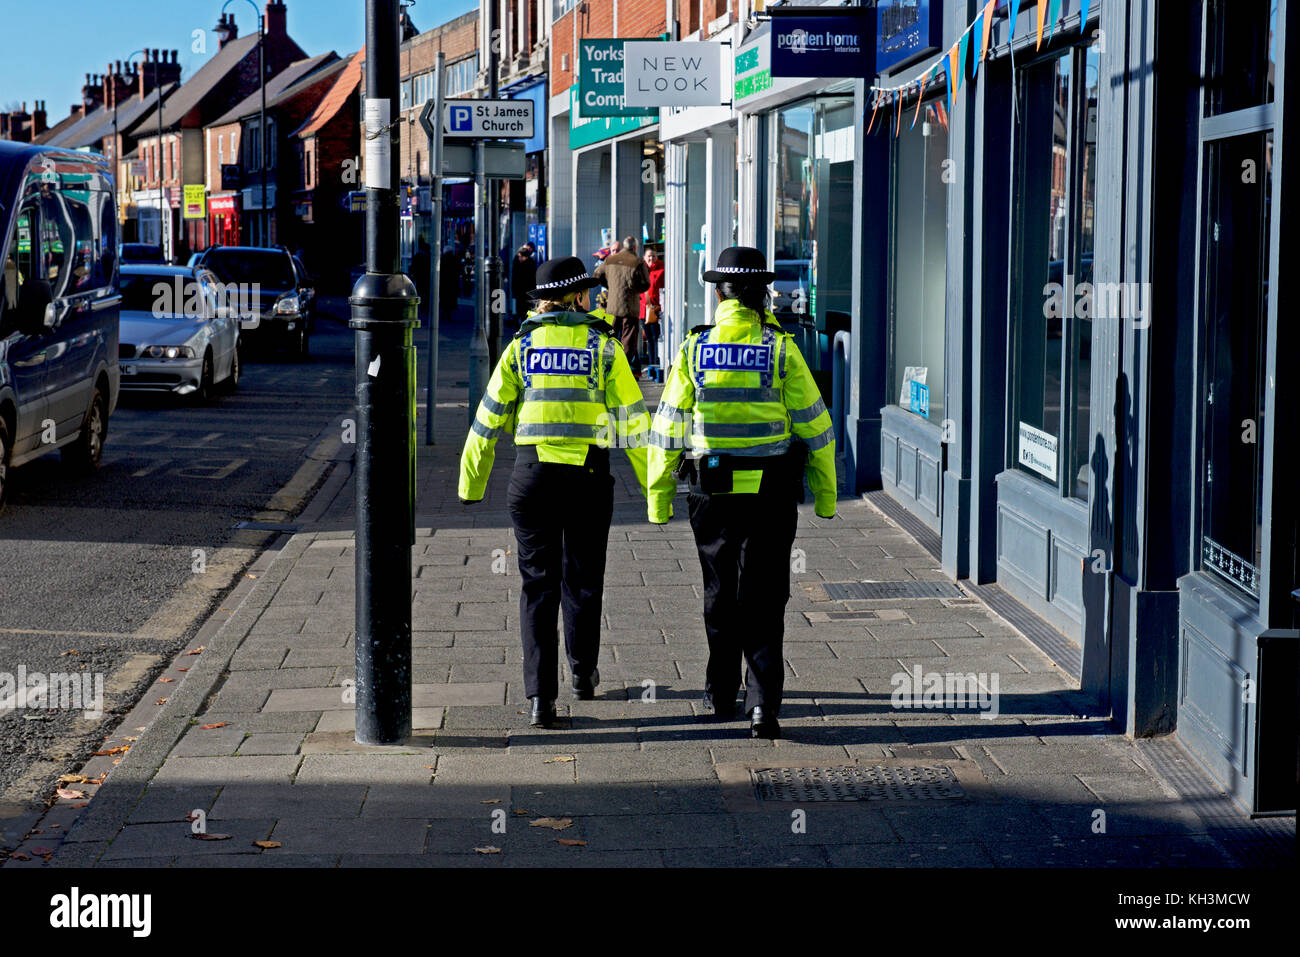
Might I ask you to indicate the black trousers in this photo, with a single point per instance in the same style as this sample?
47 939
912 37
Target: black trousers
744 541
561 516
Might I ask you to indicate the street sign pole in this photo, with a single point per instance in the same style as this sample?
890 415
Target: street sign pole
493 265
433 126
479 362
384 304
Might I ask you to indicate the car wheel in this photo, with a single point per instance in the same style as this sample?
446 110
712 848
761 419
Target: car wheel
205 380
4 463
236 370
84 454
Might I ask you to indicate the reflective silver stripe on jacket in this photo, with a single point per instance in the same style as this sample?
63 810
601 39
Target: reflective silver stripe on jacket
661 441
808 414
495 407
738 430
720 394
772 448
557 430
479 428
537 394
822 439
635 409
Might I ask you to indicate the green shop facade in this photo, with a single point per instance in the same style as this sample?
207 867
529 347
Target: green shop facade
1069 354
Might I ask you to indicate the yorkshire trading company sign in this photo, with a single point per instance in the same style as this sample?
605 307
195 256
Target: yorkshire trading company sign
600 80
817 46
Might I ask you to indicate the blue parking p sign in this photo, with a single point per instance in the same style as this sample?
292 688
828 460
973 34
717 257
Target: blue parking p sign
462 119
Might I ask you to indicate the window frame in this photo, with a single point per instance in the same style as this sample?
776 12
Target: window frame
1067 467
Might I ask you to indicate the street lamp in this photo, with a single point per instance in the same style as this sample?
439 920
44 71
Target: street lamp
224 33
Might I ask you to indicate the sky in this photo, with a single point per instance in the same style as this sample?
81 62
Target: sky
46 58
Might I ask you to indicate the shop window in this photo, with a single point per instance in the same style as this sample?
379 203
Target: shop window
919 282
1235 316
1240 54
1054 302
813 220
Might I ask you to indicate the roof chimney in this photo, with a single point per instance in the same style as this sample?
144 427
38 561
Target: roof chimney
276 17
226 29
39 124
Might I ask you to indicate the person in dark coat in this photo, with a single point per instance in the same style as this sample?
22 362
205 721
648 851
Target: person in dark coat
523 279
449 282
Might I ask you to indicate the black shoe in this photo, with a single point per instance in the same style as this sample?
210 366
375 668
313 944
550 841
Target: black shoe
584 689
721 713
542 714
763 725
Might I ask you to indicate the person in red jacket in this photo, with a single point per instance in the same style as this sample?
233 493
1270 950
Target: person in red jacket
652 304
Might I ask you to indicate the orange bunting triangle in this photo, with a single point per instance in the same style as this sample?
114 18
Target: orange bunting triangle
988 25
954 73
875 108
920 95
1042 11
898 122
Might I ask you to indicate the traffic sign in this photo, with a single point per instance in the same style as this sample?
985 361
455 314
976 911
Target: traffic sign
488 119
501 160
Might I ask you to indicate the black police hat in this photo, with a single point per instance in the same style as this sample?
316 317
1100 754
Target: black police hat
741 264
557 278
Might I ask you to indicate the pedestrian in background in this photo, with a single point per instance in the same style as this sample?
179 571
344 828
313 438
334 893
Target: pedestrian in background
421 266
449 282
741 396
564 388
652 304
626 277
523 279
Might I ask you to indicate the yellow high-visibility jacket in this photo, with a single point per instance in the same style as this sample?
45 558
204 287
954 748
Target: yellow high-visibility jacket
740 387
563 384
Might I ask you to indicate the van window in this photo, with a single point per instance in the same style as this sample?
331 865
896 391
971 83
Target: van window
69 253
19 266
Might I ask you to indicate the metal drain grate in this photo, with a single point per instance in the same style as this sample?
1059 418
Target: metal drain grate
928 782
839 591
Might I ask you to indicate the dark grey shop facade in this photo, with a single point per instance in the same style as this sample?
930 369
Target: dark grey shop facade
1076 263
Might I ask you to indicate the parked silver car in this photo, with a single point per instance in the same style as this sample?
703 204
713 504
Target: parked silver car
176 337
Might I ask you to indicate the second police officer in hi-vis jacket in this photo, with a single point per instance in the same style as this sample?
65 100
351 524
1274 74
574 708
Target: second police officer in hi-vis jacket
740 395
564 388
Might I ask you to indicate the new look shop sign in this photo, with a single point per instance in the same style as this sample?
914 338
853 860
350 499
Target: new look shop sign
829 45
659 73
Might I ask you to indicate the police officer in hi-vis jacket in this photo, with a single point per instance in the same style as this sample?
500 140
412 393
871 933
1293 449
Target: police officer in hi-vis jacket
740 396
564 388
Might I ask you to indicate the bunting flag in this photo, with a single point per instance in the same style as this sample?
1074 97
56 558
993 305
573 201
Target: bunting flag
875 108
988 27
1083 13
919 97
1055 15
947 69
942 114
978 31
962 57
1015 11
1042 9
898 122
954 70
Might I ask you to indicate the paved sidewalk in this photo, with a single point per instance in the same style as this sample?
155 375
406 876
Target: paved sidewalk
258 734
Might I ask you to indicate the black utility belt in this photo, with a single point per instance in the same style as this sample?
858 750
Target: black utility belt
597 457
713 473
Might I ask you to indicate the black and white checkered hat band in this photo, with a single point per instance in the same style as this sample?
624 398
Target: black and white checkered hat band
739 269
565 282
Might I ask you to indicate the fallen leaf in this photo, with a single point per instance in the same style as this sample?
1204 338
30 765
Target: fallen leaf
198 651
559 759
249 575
131 738
64 654
209 727
120 749
522 811
267 844
166 681
182 669
161 701
76 779
70 794
42 851
570 842
100 779
210 837
83 804
554 823
19 856
430 767
482 850
117 761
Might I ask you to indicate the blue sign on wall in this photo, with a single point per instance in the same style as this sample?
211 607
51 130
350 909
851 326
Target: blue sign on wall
920 399
535 91
907 30
823 45
537 236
